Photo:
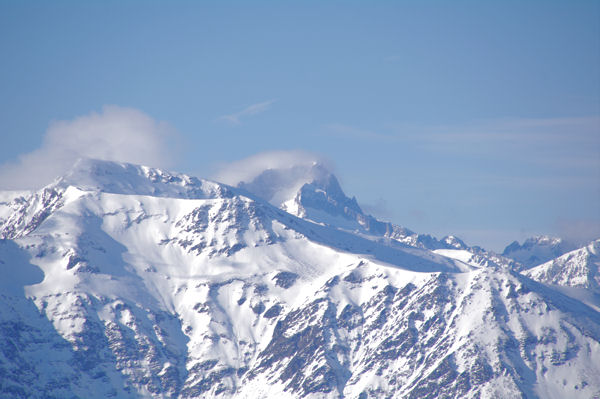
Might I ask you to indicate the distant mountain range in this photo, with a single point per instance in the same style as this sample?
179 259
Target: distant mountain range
126 281
537 250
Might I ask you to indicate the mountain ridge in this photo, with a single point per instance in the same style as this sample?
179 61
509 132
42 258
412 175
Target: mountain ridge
160 285
537 250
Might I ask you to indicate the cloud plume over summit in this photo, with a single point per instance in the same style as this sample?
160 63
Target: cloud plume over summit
245 170
114 134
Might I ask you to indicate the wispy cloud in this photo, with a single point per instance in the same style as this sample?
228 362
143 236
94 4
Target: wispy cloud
524 130
561 143
580 130
519 155
114 134
567 142
254 109
246 169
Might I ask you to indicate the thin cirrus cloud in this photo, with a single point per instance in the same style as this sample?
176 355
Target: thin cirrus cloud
525 130
560 143
553 142
236 118
114 134
580 130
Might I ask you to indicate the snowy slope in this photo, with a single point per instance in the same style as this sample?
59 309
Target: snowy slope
314 193
487 334
576 273
578 268
126 281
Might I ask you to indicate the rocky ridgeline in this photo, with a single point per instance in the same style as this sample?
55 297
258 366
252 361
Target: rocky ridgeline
125 281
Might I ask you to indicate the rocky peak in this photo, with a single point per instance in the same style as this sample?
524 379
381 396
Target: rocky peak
537 250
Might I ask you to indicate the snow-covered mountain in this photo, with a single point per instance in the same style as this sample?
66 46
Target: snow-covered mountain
537 250
576 273
313 193
126 281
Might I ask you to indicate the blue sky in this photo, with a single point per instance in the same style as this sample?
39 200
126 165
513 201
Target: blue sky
480 119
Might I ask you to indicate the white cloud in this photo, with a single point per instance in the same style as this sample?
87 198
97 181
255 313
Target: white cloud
247 169
114 134
275 176
254 109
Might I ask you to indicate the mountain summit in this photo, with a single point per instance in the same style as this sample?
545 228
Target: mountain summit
313 193
305 191
129 281
537 250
